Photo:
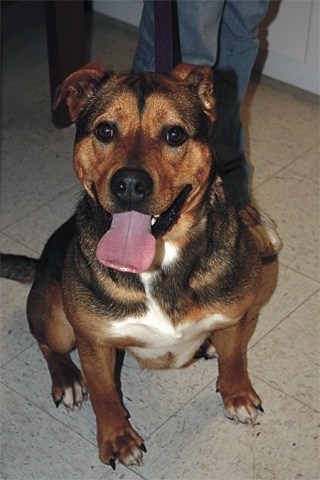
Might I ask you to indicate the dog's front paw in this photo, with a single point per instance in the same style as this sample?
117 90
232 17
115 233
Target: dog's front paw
124 446
241 405
242 409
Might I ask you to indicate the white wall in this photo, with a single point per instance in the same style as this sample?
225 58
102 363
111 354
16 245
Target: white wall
289 38
290 43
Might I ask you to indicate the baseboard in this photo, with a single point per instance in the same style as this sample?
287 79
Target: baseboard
289 71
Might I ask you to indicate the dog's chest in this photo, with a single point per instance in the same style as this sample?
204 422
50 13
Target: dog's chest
159 339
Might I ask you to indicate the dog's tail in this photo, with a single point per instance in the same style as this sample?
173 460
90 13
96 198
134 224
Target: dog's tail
18 267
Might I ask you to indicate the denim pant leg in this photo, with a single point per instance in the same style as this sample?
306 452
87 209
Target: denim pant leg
238 46
199 22
144 60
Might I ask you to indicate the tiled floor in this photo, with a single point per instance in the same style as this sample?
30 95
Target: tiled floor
177 412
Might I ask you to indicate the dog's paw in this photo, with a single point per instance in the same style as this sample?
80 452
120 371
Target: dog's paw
70 396
126 447
243 408
69 388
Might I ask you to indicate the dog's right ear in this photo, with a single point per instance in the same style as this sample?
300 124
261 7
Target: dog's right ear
200 79
76 89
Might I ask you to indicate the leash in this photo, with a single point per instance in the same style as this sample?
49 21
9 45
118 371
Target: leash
163 36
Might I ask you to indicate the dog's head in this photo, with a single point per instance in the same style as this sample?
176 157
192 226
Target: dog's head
142 144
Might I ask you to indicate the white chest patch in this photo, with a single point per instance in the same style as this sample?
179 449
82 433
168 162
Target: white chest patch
160 337
170 254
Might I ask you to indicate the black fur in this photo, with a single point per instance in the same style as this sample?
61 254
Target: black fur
18 267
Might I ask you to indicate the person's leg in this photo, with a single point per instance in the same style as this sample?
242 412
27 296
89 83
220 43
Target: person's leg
199 22
144 56
238 46
199 26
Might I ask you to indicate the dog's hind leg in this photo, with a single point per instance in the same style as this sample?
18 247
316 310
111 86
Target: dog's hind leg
56 340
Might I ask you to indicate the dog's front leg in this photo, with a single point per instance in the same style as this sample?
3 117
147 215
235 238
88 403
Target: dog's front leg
116 438
240 400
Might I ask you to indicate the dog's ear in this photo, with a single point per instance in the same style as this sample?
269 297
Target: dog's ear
199 78
76 89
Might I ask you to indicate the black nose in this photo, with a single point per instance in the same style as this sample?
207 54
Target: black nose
131 187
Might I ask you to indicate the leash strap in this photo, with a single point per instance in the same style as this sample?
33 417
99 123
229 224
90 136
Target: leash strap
163 37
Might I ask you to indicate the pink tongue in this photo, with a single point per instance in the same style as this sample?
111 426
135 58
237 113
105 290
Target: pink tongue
128 245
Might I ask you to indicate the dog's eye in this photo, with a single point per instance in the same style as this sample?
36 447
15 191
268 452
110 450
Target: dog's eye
176 136
104 132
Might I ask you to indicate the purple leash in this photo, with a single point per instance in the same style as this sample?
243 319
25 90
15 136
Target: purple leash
163 36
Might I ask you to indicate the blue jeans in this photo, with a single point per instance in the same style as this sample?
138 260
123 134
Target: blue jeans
223 35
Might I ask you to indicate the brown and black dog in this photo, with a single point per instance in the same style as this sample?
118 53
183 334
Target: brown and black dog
155 260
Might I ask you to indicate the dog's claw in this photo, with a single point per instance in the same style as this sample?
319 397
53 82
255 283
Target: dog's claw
259 407
57 403
143 447
112 463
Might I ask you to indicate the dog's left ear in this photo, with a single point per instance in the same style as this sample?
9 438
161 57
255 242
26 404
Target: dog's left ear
76 89
199 78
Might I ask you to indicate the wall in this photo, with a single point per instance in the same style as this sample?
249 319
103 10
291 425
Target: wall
289 38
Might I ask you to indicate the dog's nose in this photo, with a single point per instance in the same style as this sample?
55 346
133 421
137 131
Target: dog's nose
131 187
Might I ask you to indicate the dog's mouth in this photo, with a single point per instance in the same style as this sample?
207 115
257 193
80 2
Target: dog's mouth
130 243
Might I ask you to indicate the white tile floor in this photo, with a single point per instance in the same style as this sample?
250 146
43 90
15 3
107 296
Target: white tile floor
177 412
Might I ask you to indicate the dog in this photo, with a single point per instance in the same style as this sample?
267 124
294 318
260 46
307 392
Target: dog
155 260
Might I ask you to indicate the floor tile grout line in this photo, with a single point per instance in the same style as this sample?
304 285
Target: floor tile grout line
283 319
274 175
30 402
78 192
297 174
211 382
42 144
278 389
309 150
256 187
134 472
9 237
298 272
21 352
68 156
